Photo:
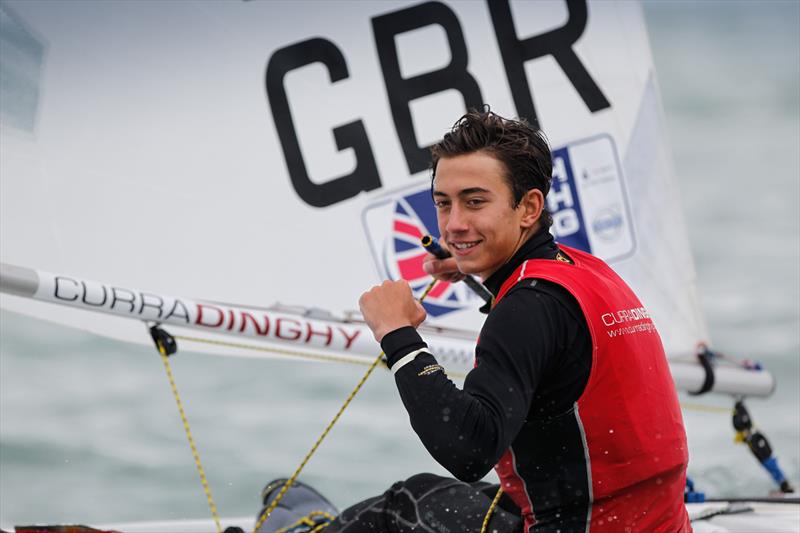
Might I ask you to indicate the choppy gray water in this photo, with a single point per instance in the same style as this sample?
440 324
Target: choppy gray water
88 427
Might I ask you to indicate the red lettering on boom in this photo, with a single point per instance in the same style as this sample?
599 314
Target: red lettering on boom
349 338
294 332
199 319
328 333
256 326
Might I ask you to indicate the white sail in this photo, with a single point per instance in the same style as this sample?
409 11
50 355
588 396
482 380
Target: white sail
213 151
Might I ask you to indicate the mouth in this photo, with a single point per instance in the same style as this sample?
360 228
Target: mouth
463 248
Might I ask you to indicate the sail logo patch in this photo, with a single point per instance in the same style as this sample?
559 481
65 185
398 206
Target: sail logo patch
587 199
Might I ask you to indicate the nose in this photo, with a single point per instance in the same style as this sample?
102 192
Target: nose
456 220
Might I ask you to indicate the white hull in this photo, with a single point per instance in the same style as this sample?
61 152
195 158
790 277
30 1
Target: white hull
764 518
761 518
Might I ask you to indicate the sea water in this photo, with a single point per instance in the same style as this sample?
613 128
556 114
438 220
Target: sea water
89 431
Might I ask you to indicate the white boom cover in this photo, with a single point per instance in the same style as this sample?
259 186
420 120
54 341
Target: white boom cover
261 152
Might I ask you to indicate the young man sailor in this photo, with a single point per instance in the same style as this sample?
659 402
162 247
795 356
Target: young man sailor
578 415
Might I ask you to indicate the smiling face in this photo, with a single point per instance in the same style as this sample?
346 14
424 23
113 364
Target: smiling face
477 218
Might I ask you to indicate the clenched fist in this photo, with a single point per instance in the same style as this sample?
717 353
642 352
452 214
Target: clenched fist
389 306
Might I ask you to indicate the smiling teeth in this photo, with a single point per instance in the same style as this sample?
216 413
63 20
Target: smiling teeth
464 245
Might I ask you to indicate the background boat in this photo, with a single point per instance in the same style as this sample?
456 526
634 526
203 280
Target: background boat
106 444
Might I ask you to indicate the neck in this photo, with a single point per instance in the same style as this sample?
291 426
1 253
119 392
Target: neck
540 245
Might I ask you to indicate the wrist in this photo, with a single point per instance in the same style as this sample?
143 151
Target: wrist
401 341
381 332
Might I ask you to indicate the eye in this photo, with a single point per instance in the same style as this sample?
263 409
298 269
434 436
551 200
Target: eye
441 204
475 202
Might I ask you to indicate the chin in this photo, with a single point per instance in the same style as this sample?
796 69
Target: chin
471 270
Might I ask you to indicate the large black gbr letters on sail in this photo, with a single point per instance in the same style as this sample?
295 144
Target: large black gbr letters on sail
515 52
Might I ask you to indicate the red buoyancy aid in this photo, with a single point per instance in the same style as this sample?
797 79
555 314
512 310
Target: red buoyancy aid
633 431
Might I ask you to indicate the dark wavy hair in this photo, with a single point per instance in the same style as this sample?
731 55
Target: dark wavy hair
520 147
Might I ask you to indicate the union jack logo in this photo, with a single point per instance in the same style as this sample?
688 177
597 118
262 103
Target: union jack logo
413 217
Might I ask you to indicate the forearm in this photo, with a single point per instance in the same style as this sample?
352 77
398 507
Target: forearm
462 431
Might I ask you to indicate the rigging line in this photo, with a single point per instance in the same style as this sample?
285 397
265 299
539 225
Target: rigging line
280 351
365 362
308 520
289 482
316 445
164 357
292 353
707 408
492 507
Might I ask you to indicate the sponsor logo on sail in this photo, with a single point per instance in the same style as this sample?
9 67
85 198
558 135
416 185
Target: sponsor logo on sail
608 224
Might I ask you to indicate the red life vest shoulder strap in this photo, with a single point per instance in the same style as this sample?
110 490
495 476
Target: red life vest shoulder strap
542 266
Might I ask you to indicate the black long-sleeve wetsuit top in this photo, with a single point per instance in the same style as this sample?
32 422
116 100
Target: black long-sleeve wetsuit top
533 360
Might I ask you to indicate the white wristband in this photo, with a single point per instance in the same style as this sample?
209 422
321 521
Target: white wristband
407 359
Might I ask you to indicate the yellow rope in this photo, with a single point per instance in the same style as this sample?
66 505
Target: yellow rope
293 478
307 521
321 526
492 507
327 430
185 421
280 351
364 362
292 353
707 408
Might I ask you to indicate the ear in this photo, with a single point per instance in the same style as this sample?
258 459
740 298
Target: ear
531 206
